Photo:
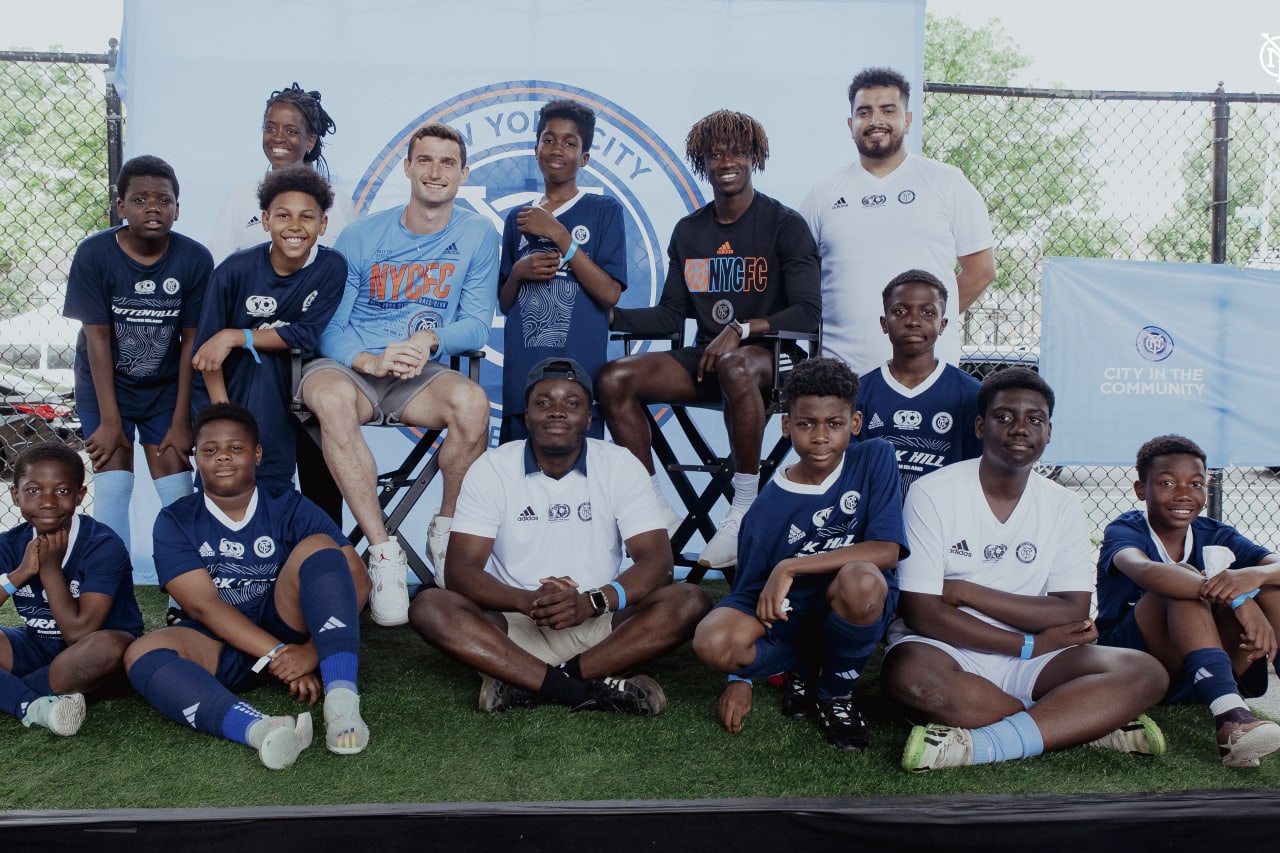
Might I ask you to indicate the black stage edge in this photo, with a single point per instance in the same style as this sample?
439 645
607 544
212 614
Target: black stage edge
1095 823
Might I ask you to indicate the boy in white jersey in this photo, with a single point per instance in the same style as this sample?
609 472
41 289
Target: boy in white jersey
995 648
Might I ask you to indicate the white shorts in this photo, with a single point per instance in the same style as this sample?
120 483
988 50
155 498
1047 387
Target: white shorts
1014 676
554 646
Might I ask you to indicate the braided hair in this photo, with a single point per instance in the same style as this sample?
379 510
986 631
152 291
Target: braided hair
319 123
733 130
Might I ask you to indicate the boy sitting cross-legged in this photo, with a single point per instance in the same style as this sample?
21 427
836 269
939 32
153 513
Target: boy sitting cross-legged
1200 589
266 582
815 586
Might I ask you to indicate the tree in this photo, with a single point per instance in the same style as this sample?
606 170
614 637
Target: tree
53 175
1033 160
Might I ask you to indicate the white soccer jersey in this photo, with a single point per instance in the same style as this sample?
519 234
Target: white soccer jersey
1043 547
922 215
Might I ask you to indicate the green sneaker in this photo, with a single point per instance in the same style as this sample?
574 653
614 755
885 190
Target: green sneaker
1140 737
62 715
934 747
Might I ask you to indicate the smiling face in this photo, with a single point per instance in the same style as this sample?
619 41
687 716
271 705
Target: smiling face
559 152
150 206
1175 491
1015 429
295 222
879 122
226 458
557 416
47 496
728 170
913 318
820 429
285 137
435 171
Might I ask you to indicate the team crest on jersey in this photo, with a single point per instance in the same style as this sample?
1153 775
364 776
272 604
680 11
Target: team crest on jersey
942 422
993 553
498 121
722 311
144 287
260 306
170 286
311 297
558 512
849 501
876 200
582 234
820 517
907 419
424 320
264 546
906 197
74 589
584 510
1026 552
234 550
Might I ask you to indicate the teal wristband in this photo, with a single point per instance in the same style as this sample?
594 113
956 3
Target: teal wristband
1241 599
1028 646
248 344
564 262
11 589
265 660
622 594
747 681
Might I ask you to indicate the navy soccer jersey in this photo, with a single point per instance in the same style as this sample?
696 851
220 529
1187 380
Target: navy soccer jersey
859 502
1117 593
929 426
146 308
246 292
557 317
242 557
96 561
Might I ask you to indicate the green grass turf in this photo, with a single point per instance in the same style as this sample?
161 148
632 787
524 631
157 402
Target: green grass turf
430 744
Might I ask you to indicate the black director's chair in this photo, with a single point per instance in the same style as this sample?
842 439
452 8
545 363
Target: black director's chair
411 477
719 466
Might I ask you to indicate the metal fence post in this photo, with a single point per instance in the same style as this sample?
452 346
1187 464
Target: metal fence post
115 130
1218 244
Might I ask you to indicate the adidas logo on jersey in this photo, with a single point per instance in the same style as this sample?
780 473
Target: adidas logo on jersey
451 249
840 202
524 241
725 249
875 423
25 592
190 713
254 220
961 548
794 535
331 623
527 515
205 550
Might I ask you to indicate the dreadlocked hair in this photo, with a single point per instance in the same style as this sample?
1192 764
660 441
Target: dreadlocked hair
318 121
735 131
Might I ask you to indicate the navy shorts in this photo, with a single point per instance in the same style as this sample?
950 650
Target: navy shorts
149 430
235 668
30 650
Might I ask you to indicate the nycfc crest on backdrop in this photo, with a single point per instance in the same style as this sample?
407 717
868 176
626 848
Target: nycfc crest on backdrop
628 161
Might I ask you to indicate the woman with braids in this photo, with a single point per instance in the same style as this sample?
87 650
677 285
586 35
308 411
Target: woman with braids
293 130
741 266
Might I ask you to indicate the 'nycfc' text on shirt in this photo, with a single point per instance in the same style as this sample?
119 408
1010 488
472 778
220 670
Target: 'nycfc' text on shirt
409 282
726 275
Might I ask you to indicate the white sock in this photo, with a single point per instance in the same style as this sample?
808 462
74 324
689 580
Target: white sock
173 487
745 489
1223 704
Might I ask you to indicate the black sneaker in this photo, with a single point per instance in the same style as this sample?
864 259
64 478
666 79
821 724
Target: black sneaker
497 695
639 694
841 724
797 698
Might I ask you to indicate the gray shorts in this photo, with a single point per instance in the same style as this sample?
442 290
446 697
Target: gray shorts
388 395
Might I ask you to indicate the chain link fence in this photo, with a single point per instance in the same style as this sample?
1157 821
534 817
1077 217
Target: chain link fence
1138 175
59 148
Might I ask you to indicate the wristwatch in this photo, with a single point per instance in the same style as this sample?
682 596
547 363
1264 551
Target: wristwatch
599 604
744 329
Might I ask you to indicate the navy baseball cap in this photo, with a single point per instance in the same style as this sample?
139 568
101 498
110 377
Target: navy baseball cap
559 368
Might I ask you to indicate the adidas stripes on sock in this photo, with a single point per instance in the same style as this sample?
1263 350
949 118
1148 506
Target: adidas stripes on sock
187 693
327 596
15 694
848 648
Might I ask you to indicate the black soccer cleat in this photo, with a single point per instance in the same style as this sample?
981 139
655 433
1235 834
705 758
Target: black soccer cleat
841 724
497 695
797 698
639 695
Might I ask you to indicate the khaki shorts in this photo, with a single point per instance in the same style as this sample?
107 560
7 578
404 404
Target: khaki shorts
554 646
388 395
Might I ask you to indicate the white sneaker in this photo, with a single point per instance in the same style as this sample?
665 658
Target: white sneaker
389 571
1140 737
438 545
934 747
62 715
345 732
722 551
279 740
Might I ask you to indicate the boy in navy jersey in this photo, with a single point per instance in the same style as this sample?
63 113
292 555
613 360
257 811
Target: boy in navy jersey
923 406
261 303
564 265
1187 589
266 582
72 584
815 586
137 289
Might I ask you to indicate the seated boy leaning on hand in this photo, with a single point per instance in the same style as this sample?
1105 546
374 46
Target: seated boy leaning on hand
72 584
815 586
995 648
1187 589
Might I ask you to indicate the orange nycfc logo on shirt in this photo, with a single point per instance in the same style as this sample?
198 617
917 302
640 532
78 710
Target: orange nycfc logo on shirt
726 275
409 281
